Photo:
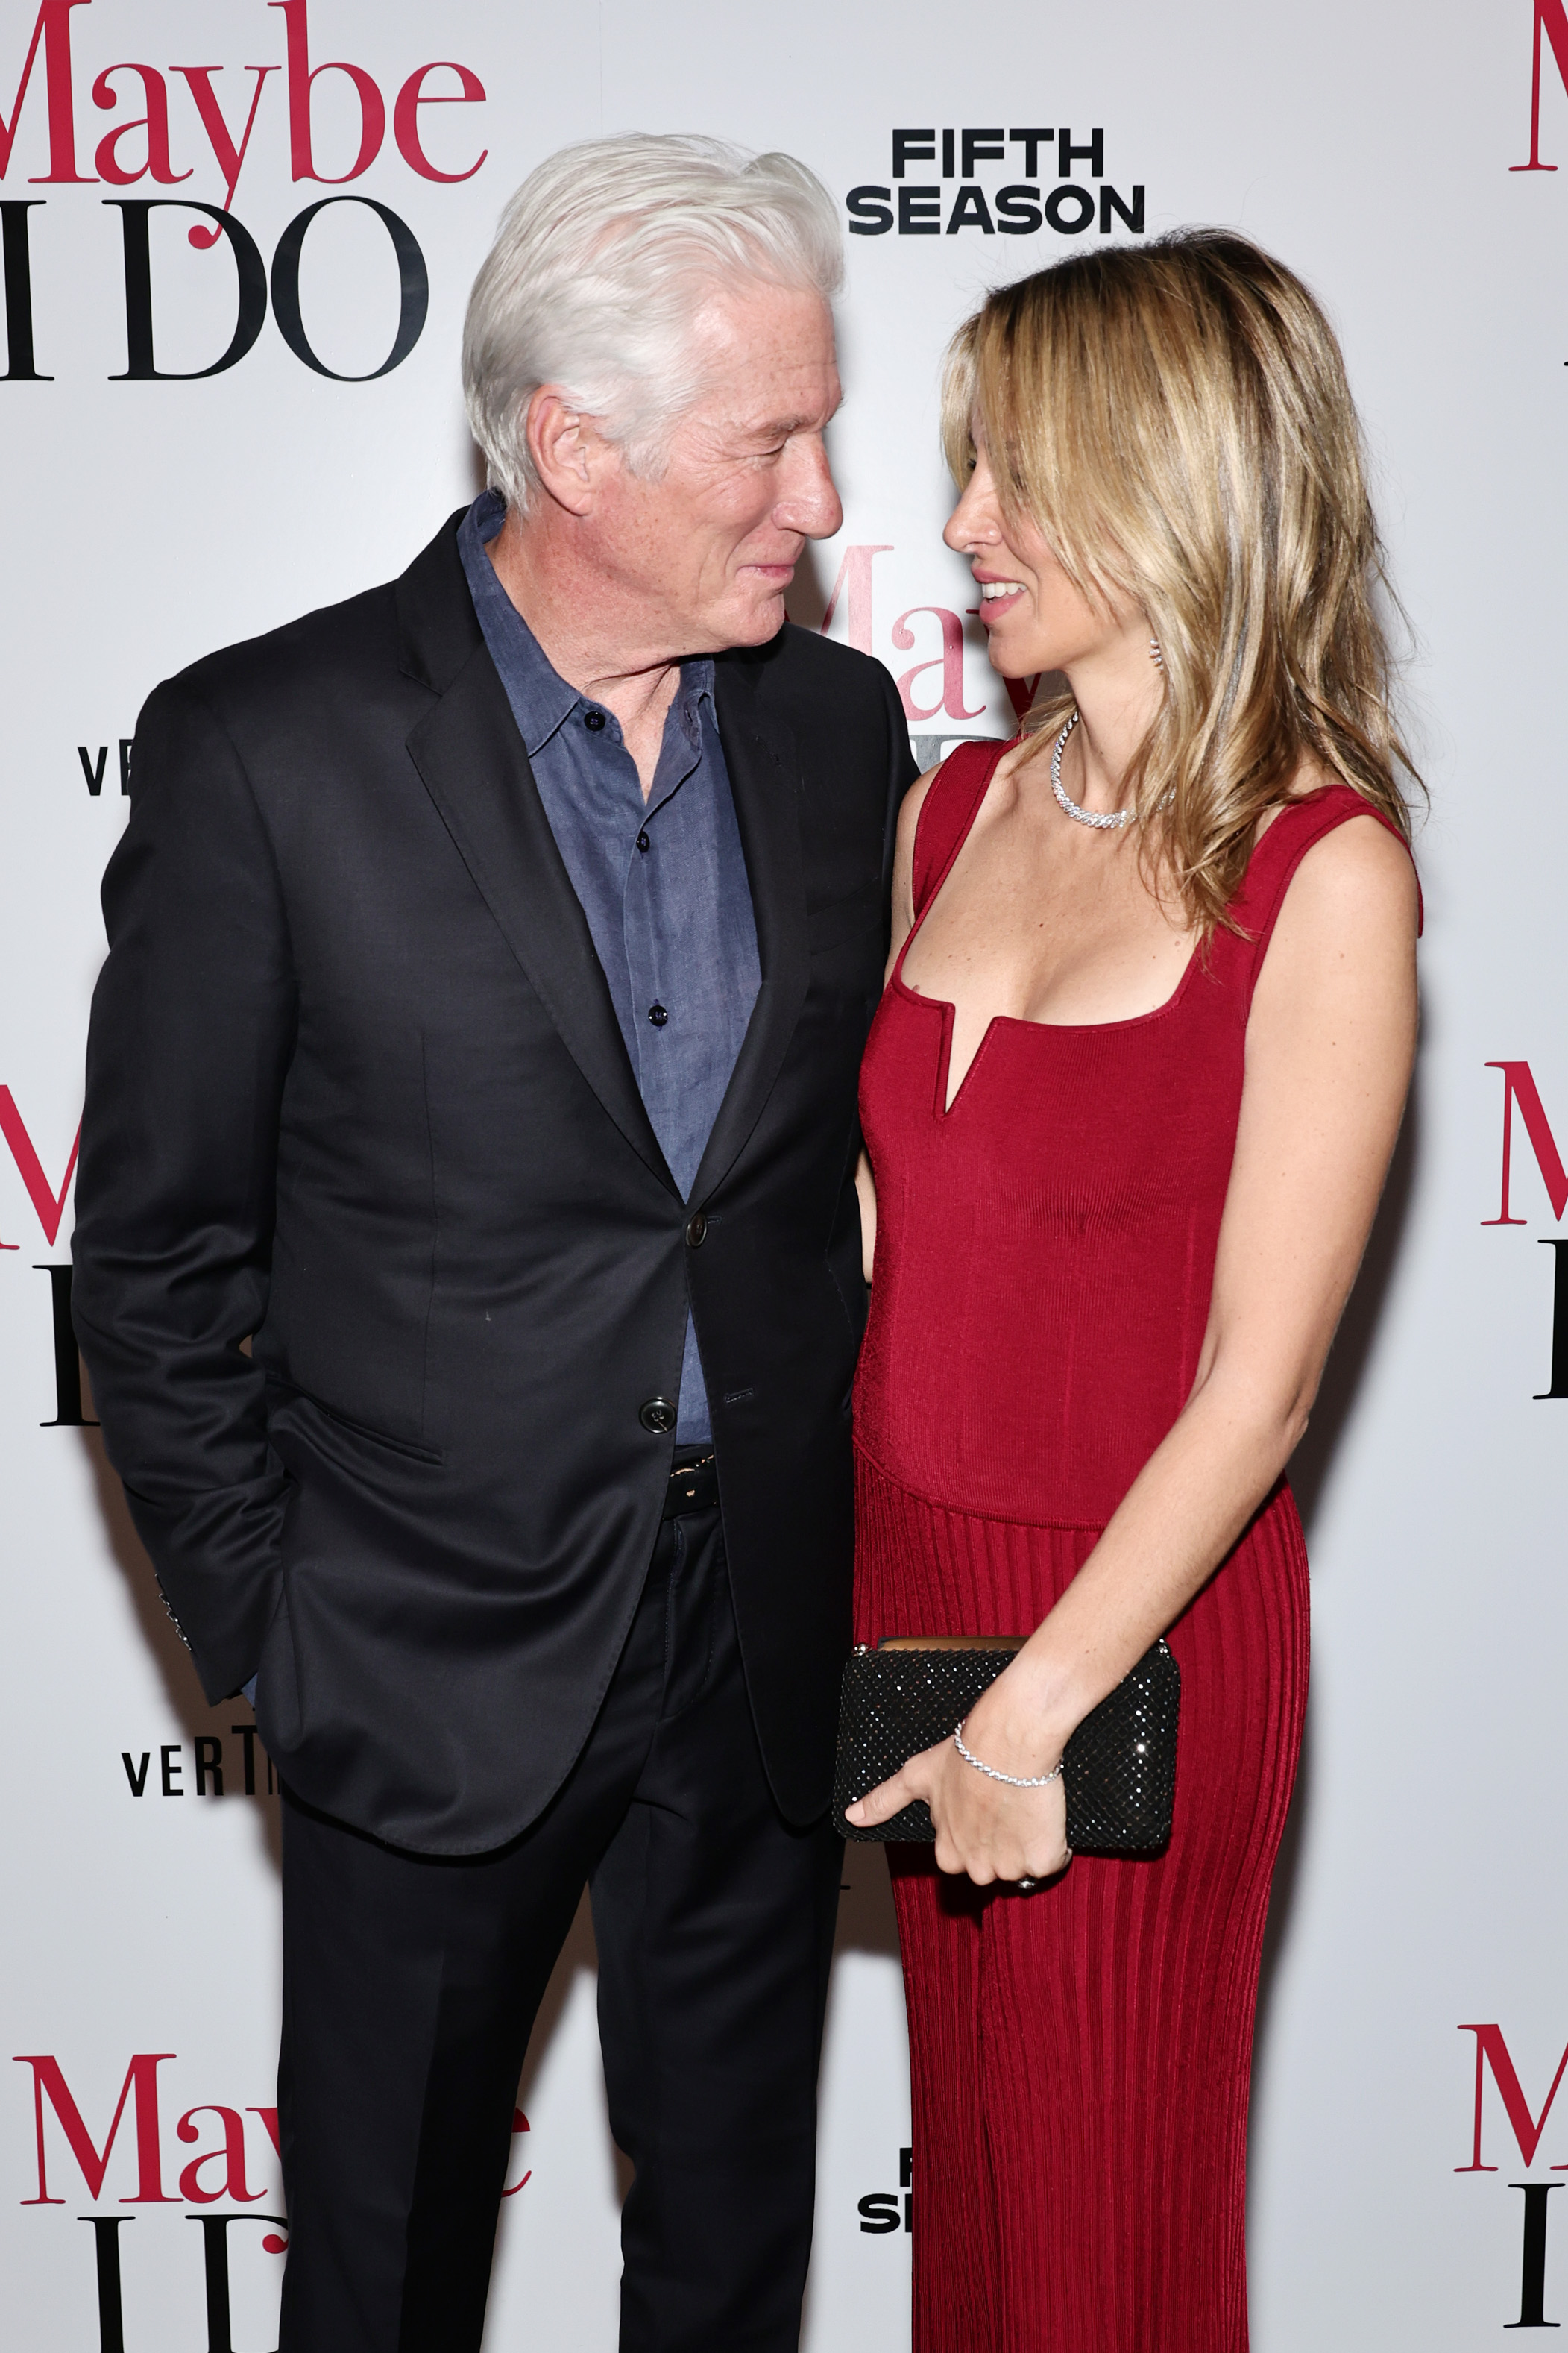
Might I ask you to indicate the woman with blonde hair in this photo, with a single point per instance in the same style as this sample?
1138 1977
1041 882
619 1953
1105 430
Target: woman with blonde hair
1129 1103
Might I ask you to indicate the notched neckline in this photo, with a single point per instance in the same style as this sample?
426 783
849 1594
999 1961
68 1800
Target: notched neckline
947 1104
945 1006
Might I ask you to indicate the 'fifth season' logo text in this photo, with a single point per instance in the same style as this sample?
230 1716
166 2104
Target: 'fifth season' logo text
996 181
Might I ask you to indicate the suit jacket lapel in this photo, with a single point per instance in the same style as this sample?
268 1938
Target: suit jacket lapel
764 780
471 758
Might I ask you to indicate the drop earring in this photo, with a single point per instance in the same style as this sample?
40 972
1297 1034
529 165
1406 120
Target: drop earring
1155 656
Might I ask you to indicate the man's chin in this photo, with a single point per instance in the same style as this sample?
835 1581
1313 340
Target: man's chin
757 621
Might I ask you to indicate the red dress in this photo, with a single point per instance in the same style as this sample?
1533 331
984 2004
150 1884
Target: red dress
1044 1257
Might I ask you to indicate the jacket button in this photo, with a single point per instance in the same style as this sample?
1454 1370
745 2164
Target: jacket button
657 1016
697 1230
657 1415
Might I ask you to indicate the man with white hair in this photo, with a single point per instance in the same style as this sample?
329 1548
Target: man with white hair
467 1261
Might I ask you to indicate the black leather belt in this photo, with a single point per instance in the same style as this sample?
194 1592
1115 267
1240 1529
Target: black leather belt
693 1482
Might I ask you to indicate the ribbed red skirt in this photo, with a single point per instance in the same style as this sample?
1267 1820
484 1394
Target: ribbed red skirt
1081 2057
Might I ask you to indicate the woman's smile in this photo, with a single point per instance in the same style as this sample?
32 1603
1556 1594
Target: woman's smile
998 596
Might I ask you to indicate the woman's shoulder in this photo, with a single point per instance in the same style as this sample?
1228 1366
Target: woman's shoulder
968 763
1318 808
910 808
947 797
1356 864
1339 857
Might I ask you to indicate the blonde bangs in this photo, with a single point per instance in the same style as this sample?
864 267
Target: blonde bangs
1173 419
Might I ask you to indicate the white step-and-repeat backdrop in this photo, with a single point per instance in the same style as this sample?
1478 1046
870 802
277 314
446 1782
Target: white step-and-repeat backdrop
236 243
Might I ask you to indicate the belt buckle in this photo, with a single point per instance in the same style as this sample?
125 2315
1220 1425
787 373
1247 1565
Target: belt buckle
693 1472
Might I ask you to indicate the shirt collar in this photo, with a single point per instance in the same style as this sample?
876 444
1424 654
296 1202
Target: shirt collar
541 698
696 687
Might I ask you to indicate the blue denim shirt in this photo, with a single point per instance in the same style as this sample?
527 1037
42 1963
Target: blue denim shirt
663 882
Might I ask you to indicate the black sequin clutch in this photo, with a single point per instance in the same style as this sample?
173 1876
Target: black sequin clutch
1119 1766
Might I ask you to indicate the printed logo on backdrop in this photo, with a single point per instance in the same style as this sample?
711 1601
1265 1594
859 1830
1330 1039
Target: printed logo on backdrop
932 689
1551 18
189 125
1521 1096
1495 2062
996 182
993 179
49 1206
882 2212
249 1769
66 2151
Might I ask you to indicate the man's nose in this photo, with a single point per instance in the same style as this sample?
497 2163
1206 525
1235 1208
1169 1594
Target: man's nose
811 503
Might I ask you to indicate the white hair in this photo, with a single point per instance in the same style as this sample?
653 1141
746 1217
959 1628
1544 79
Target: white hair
602 261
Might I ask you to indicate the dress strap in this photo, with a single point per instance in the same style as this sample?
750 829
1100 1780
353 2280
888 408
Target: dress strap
1299 825
951 805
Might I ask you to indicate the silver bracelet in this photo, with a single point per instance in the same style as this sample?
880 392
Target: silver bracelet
1037 1781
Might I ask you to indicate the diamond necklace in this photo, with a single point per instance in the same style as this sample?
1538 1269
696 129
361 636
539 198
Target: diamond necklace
1065 802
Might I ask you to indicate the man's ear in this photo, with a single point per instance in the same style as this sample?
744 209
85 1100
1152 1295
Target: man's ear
568 452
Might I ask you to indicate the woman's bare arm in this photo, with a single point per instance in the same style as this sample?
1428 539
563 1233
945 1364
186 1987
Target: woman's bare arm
1330 1045
903 923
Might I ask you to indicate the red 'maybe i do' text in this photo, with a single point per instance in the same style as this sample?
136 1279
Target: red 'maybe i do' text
140 146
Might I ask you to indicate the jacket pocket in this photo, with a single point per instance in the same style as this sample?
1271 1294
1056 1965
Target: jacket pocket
406 1450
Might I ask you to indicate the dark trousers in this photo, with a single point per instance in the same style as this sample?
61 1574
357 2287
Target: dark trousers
410 1985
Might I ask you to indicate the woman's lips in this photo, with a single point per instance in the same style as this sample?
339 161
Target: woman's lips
993 607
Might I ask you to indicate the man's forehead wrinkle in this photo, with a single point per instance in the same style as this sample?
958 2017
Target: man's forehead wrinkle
777 428
736 425
810 409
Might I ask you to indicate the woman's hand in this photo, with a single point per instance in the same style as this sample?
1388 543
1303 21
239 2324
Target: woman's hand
983 1829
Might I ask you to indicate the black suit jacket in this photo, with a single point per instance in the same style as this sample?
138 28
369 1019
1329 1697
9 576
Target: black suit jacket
356 1086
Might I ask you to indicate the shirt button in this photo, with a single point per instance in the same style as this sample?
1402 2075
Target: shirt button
593 721
657 1016
657 1415
643 843
696 1231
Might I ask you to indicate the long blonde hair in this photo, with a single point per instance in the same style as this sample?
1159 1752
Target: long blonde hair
1174 419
